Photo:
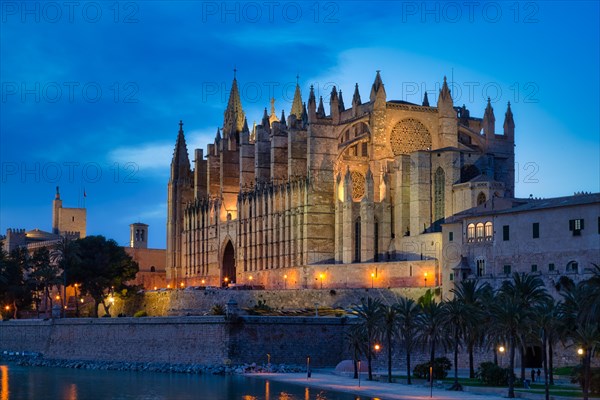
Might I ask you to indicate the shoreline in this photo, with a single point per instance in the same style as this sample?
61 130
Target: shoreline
371 389
36 360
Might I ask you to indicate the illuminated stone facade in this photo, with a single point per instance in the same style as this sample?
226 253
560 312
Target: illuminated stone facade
313 199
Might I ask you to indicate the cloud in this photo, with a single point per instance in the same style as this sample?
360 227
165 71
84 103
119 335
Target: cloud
156 156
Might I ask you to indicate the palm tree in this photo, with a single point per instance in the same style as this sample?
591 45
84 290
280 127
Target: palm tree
369 315
408 315
545 321
457 321
579 308
508 319
530 291
476 296
389 324
357 343
431 324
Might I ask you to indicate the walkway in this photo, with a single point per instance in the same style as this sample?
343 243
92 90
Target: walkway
374 389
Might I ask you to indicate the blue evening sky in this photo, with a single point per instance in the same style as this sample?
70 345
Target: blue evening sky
92 92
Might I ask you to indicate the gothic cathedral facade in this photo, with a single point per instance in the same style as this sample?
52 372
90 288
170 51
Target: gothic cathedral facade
350 199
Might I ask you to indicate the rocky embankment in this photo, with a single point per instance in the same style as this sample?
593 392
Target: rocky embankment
29 359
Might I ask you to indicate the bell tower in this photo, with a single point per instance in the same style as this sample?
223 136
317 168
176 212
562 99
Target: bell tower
138 235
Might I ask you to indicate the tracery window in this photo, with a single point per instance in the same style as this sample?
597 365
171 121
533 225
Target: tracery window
358 185
408 136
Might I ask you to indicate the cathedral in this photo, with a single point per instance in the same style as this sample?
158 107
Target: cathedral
351 198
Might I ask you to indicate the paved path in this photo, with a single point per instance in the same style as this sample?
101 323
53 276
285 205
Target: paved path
378 390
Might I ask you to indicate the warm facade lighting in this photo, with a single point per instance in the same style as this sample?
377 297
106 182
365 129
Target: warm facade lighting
580 351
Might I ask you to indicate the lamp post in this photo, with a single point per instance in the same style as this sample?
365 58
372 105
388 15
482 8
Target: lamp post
372 279
226 280
358 373
307 367
285 281
425 276
321 276
501 349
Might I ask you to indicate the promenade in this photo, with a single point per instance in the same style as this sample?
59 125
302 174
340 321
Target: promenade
373 389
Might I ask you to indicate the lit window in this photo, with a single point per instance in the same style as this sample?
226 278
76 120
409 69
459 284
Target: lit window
489 231
470 232
480 231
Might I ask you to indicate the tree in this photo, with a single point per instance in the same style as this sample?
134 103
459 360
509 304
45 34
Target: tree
545 320
476 296
389 324
457 321
530 291
103 270
357 343
15 292
431 324
509 317
579 309
369 316
408 315
46 274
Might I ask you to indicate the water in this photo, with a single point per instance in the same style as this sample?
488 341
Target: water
39 383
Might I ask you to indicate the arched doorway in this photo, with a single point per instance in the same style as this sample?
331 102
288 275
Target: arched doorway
228 266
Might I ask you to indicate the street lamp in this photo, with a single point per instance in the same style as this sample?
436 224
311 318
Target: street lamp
321 276
372 279
285 281
226 280
501 349
182 285
425 276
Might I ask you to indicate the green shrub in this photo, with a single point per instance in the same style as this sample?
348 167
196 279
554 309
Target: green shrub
441 366
492 375
577 377
140 314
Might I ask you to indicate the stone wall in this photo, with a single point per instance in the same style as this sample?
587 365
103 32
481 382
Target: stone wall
211 340
197 302
193 340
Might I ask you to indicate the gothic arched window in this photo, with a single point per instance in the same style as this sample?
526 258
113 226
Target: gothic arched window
357 240
439 197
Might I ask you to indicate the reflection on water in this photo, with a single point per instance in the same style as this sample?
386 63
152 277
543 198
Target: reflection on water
3 382
18 383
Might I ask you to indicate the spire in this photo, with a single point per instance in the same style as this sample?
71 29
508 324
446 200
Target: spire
444 92
489 120
273 116
341 99
233 121
265 119
312 105
425 100
282 120
245 128
297 103
377 86
57 197
356 97
218 136
321 109
334 105
180 154
304 114
509 123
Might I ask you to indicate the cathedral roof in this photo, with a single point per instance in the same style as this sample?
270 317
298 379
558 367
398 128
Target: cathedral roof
37 234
